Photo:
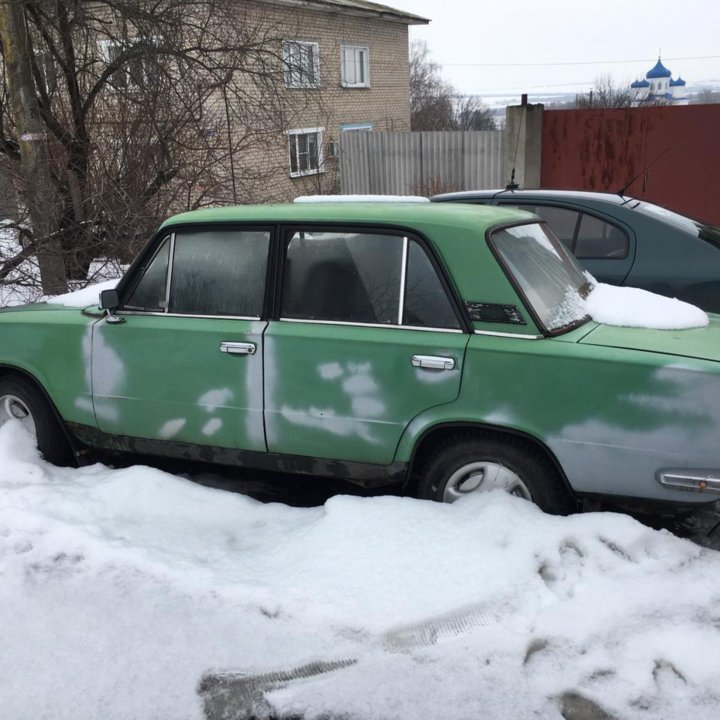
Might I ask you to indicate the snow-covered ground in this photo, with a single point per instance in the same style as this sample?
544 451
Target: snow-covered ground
120 588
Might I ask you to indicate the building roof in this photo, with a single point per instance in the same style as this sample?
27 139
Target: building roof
659 71
355 7
640 84
677 83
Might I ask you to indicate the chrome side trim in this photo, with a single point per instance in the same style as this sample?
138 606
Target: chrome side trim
692 480
372 325
171 260
403 279
518 336
187 315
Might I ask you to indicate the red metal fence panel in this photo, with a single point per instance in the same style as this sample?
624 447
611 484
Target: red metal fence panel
603 150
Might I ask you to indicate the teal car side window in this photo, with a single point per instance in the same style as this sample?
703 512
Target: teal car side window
586 236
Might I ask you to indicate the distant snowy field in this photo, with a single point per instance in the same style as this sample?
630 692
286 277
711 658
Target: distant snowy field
120 588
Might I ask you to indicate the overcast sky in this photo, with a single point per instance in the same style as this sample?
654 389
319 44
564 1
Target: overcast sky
478 42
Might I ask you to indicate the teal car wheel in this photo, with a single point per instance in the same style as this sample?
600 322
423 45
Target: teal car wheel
20 401
481 463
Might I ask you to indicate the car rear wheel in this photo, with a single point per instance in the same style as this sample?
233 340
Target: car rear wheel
480 463
21 401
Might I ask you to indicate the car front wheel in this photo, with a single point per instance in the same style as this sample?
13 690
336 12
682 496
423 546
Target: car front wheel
21 401
481 463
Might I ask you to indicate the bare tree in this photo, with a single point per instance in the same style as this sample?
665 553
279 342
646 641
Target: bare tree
147 107
706 96
606 94
469 113
435 104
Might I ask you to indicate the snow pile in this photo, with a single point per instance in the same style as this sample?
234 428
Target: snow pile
632 307
89 295
120 588
360 198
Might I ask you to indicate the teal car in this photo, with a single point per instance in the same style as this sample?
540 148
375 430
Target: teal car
623 240
438 346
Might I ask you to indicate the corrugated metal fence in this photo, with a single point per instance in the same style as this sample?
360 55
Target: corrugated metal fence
420 163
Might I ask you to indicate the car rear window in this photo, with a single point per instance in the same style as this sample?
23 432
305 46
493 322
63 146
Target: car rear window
544 272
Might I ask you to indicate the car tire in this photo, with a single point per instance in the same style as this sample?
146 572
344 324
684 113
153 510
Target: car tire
21 400
479 463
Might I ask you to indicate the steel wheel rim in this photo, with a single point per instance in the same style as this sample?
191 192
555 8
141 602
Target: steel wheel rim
14 408
484 476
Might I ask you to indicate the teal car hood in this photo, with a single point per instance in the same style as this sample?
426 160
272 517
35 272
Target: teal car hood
701 343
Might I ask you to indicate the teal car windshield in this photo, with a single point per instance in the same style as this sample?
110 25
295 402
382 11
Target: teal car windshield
545 273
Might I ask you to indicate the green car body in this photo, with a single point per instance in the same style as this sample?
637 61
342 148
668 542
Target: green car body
632 414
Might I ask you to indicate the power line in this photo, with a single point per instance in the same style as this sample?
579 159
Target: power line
584 62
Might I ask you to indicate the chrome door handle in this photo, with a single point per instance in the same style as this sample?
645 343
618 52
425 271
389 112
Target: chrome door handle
238 348
433 362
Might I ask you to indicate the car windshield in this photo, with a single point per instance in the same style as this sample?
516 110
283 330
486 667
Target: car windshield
544 271
709 233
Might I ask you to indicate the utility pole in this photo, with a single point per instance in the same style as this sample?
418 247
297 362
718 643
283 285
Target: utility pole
40 193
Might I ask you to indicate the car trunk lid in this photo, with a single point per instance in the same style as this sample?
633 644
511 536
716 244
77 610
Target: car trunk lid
702 343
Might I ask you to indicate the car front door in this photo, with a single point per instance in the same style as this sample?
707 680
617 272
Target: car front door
367 338
181 360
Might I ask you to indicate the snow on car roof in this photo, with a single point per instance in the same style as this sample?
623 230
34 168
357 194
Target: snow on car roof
360 198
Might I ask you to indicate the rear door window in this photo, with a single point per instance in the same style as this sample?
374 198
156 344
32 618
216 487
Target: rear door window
368 278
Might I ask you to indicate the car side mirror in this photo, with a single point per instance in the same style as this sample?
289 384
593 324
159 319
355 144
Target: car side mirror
109 300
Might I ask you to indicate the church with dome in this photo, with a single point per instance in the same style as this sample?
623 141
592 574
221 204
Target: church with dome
658 86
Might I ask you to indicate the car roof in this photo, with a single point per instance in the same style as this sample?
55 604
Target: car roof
379 213
578 195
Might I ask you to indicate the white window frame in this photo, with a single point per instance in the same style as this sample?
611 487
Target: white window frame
349 55
296 76
105 46
293 136
357 127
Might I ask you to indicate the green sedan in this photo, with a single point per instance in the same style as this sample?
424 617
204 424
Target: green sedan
444 347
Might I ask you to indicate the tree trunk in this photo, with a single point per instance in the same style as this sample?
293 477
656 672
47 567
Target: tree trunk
41 194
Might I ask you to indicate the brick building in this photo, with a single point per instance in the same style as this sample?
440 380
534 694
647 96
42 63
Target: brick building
348 62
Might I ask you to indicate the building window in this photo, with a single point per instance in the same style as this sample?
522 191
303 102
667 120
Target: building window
355 61
357 127
302 64
138 70
306 156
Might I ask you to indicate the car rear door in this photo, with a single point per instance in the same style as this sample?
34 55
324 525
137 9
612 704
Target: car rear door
367 336
182 359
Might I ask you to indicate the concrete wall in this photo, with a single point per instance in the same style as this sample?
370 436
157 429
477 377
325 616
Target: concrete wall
523 153
603 150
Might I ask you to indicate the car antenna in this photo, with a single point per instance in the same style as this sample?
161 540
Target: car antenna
621 191
512 185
